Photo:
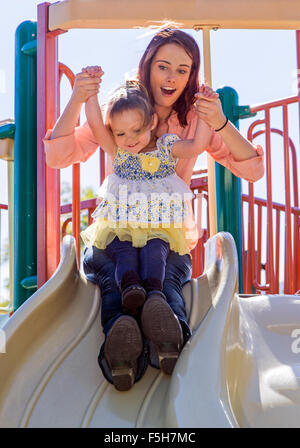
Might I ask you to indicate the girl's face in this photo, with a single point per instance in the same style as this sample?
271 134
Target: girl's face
128 132
169 74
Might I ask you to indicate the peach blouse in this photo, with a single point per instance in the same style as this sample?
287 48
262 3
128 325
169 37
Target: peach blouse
81 144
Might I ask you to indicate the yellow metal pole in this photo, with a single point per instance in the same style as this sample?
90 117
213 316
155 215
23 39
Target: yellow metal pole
212 197
7 153
11 183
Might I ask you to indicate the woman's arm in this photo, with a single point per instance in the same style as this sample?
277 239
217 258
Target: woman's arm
210 110
67 143
84 88
66 123
240 148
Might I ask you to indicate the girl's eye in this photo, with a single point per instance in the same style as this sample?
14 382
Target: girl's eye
120 135
162 67
182 72
137 131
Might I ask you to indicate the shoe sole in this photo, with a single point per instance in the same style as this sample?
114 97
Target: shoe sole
133 301
161 326
123 347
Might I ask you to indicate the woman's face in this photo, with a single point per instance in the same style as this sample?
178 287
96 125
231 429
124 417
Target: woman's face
169 74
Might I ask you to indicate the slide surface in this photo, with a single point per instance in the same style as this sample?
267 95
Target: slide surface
240 368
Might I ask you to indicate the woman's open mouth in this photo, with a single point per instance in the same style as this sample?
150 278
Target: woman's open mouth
167 91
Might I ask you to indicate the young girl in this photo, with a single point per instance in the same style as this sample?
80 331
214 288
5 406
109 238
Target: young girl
144 210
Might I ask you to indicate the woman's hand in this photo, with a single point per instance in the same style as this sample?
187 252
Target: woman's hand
87 84
209 107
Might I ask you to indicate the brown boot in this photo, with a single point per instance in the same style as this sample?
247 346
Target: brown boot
133 293
123 347
133 299
162 327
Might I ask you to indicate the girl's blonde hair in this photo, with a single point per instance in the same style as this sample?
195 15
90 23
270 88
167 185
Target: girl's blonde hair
130 96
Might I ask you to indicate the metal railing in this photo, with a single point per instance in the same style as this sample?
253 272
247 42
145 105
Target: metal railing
274 236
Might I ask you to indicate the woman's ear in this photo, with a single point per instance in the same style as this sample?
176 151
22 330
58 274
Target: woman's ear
155 121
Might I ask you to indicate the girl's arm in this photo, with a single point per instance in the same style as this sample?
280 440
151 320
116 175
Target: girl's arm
94 115
96 123
187 149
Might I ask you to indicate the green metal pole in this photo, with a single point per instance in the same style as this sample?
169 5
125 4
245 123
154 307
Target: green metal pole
25 192
228 186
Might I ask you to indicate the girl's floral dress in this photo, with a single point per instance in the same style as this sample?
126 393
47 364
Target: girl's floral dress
143 199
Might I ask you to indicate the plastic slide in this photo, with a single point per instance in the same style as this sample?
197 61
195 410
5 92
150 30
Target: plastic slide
240 368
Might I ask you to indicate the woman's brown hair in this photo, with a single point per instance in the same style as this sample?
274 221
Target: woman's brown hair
188 43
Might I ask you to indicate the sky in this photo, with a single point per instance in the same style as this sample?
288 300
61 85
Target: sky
259 64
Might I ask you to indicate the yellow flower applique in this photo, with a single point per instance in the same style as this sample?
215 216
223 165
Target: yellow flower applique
149 163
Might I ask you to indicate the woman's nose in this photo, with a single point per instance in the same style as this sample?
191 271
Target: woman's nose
171 77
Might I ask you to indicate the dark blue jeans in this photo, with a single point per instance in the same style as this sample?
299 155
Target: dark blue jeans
100 269
147 264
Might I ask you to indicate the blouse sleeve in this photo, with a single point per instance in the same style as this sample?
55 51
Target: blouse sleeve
251 169
69 149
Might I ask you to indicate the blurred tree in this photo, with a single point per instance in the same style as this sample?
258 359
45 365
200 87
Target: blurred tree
66 198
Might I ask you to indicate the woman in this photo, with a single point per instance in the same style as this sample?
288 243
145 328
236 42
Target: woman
169 69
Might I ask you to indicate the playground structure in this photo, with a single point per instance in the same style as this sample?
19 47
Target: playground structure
37 49
240 368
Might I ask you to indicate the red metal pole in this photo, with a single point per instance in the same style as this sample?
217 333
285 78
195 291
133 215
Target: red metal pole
41 127
297 221
270 254
277 250
251 240
102 165
76 208
64 70
288 283
259 233
48 178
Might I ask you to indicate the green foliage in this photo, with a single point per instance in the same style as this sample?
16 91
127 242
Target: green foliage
4 259
66 198
5 251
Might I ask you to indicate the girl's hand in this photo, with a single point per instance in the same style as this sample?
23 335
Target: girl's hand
208 92
86 86
209 107
93 71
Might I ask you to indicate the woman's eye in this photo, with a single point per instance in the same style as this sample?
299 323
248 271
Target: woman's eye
137 131
182 72
162 67
120 135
